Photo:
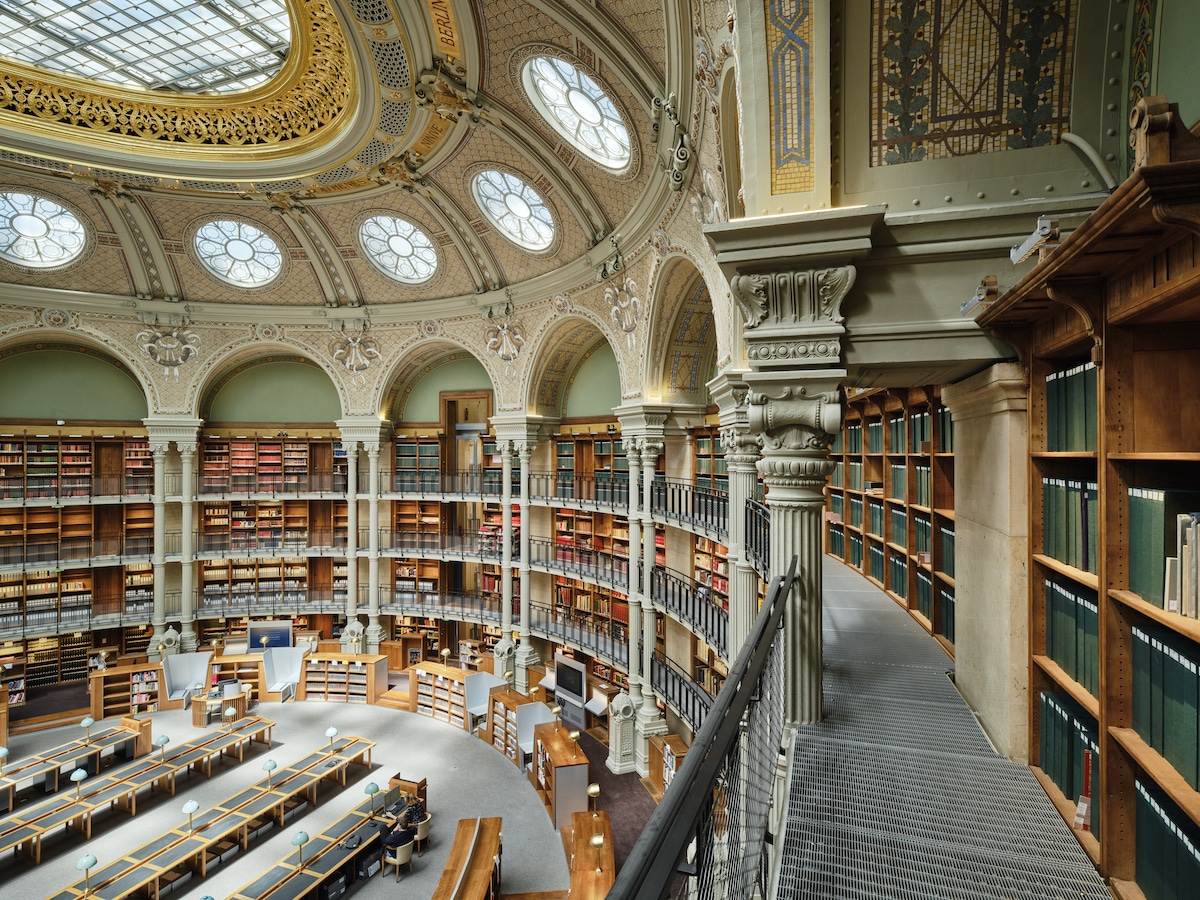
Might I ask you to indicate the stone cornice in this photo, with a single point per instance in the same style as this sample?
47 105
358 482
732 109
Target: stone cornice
1001 388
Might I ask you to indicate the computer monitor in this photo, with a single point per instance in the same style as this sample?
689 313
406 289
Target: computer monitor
271 634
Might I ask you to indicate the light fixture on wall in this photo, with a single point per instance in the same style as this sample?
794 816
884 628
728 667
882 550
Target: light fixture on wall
1044 237
985 295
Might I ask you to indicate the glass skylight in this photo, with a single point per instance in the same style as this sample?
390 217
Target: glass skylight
238 253
578 109
37 232
398 248
172 45
514 208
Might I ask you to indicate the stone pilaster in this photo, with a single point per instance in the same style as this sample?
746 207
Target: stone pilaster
158 559
504 650
524 655
369 432
633 454
374 633
351 448
187 546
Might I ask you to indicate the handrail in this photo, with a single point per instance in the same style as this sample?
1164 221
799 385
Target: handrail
653 863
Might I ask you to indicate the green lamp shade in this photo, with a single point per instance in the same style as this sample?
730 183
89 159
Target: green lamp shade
85 863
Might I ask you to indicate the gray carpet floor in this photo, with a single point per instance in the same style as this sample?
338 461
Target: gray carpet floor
466 778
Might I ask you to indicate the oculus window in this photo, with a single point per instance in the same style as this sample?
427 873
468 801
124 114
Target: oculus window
578 109
238 253
514 208
221 46
398 248
37 232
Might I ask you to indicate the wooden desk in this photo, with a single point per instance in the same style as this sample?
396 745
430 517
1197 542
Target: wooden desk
410 787
592 868
473 870
206 704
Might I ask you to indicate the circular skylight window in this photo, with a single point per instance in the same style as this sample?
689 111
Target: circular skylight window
514 208
399 248
238 253
578 109
37 232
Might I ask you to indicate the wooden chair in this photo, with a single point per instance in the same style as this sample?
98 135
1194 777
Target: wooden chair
422 833
398 857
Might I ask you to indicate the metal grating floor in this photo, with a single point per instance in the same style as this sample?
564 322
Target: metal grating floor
898 793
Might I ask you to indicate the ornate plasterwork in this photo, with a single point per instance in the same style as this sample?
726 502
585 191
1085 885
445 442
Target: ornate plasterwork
315 87
505 338
169 348
355 352
794 316
624 307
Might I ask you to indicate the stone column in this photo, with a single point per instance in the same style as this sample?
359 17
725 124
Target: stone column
741 455
374 632
648 712
633 452
351 531
187 549
525 655
502 653
158 558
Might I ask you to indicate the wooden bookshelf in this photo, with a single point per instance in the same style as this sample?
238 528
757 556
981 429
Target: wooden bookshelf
666 756
12 675
559 773
247 667
1109 323
890 501
500 729
344 677
437 691
127 690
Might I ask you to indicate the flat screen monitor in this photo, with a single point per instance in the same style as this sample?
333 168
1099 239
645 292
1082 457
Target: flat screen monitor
270 634
570 679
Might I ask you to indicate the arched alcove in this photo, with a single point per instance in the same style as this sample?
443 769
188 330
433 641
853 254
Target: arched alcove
73 383
273 390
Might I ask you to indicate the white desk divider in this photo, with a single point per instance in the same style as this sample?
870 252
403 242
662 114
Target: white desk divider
183 671
528 715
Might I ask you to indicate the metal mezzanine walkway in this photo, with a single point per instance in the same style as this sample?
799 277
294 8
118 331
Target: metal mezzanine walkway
897 794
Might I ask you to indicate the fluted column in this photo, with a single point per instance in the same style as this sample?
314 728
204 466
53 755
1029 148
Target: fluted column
650 452
187 549
374 630
351 530
633 453
158 559
525 656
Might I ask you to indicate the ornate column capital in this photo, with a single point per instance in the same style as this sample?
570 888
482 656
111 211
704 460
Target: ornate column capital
186 448
524 449
793 317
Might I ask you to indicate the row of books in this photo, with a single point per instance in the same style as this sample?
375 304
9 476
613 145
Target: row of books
1162 521
1067 732
875 562
1166 697
925 594
1072 632
897 580
949 609
1071 409
899 479
947 560
1168 846
1070 514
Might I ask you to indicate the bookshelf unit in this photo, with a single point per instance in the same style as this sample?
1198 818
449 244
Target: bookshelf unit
418 464
437 691
344 677
1114 642
559 773
501 728
890 502
126 690
246 667
711 471
249 464
12 674
75 467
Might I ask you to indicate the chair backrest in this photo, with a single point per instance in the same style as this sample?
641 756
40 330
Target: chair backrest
423 827
401 854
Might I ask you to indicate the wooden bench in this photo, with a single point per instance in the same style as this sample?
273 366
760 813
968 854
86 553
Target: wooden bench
473 870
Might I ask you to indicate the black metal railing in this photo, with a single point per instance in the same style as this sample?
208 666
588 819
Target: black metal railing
680 691
472 606
598 637
758 538
683 502
693 604
468 544
80 487
721 796
570 559
299 483
604 489
316 542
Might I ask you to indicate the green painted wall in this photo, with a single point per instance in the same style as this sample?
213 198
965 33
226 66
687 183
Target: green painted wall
277 392
1178 71
596 388
59 384
464 373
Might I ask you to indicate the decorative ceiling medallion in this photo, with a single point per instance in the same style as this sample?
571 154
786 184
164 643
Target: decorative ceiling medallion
169 348
315 86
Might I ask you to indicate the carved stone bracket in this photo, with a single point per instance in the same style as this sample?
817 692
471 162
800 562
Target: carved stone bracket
1084 297
793 317
795 419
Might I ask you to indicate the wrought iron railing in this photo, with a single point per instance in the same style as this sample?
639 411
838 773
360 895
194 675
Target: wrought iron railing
570 559
758 538
721 796
677 687
692 604
211 484
683 502
598 637
605 489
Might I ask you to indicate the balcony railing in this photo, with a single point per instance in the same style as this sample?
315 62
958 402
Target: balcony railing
608 489
472 606
598 637
84 550
694 605
569 559
78 487
679 691
318 542
303 483
758 538
468 545
687 504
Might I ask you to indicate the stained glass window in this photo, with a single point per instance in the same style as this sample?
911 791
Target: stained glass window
37 232
238 253
514 208
578 109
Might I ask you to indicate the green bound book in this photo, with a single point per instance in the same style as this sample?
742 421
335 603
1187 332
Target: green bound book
1091 547
1091 406
1141 683
1089 613
1179 726
1157 660
1152 537
1076 416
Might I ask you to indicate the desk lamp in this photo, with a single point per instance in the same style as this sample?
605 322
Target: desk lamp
593 792
162 740
371 789
190 808
508 677
597 841
554 711
78 777
299 839
269 766
445 655
230 712
331 732
3 757
87 723
85 865
574 736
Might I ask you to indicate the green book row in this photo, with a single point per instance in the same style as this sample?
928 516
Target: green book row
899 527
1071 409
1070 515
924 486
876 562
897 574
1156 533
923 529
896 434
875 437
854 438
1072 632
899 479
837 542
1167 860
856 512
875 518
945 431
947 561
918 432
946 598
1066 734
1166 697
837 478
837 505
856 550
856 476
925 594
